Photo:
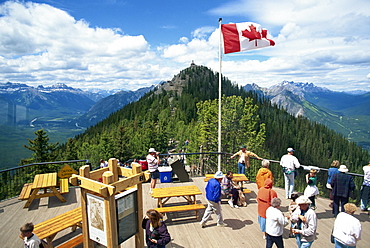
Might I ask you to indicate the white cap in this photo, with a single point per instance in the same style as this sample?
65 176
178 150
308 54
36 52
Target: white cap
290 149
219 174
151 150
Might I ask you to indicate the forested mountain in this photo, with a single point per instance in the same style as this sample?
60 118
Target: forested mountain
185 108
345 113
110 104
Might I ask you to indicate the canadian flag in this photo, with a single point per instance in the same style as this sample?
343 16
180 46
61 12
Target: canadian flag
244 36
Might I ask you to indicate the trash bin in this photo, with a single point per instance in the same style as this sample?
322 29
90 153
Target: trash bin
165 174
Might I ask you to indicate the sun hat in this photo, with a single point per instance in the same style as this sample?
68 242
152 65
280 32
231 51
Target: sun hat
343 168
290 149
303 200
219 174
151 150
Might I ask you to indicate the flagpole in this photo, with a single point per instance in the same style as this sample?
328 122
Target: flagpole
219 97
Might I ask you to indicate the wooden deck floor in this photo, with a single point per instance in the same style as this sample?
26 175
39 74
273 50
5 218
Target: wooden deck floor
242 231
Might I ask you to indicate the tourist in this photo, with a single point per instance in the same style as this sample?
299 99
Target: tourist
264 197
30 239
244 156
230 189
342 185
365 189
263 173
156 233
213 194
103 163
331 171
289 163
305 220
347 228
275 222
311 190
153 162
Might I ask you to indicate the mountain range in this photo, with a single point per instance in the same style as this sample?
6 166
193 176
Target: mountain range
346 113
62 109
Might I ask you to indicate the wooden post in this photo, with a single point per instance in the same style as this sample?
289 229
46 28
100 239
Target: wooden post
110 210
112 165
139 237
87 243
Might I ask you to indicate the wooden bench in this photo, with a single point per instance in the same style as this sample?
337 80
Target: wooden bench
247 191
72 242
26 191
63 186
189 207
51 227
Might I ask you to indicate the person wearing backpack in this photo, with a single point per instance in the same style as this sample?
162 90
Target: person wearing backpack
156 233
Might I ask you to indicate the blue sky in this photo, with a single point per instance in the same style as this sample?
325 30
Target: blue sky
117 44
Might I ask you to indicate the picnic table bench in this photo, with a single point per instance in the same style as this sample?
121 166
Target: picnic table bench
187 192
46 183
51 227
189 207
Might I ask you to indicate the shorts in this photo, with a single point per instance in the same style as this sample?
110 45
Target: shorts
262 222
154 175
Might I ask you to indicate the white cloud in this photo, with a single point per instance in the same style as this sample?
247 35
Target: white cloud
324 42
41 44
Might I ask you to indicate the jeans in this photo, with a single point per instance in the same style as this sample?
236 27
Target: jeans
365 197
213 207
340 245
241 168
302 244
289 184
270 240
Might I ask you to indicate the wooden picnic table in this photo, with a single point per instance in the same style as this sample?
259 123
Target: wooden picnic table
236 177
187 192
47 183
51 227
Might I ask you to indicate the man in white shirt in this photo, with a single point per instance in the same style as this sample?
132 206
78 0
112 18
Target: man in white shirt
275 222
289 163
153 163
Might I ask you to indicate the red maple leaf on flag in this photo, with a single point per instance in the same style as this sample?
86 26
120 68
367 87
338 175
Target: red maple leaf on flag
253 34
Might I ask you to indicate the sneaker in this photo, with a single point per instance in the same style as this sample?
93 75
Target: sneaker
230 203
291 235
150 191
203 224
244 204
236 206
264 236
222 225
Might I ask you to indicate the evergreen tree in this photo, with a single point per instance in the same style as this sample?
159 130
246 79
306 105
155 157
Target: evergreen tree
43 150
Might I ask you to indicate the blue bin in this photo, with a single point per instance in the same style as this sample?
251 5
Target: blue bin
165 174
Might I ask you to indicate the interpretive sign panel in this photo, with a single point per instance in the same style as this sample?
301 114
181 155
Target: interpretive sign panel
96 217
127 211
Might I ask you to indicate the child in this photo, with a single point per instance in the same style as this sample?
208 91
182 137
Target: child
311 190
30 239
156 233
292 207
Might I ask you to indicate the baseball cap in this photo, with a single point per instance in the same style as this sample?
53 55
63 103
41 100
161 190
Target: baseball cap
290 149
